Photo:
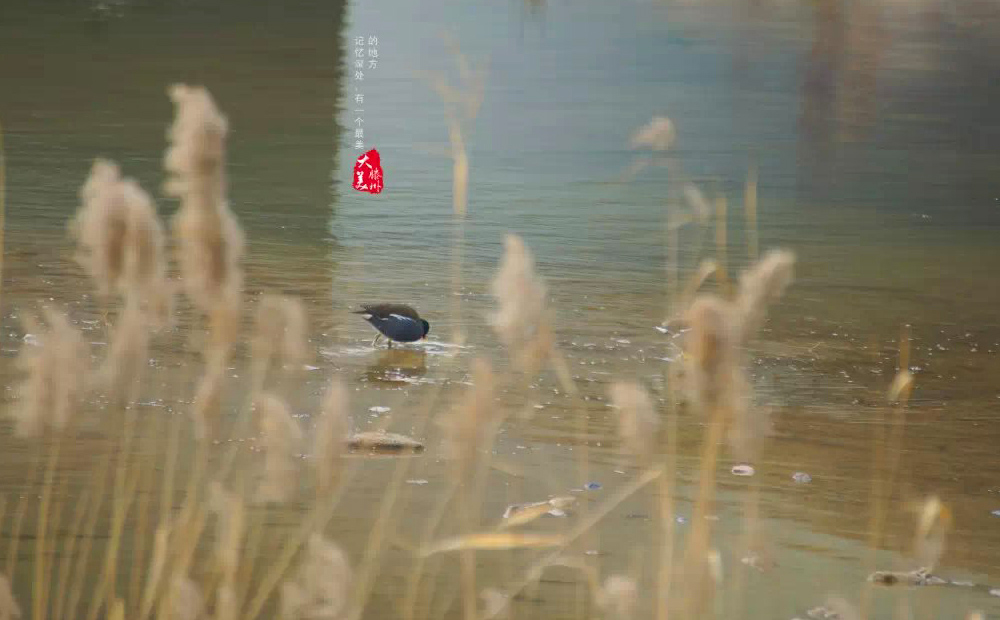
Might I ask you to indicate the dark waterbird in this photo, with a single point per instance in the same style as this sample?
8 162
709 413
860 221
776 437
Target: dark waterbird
397 322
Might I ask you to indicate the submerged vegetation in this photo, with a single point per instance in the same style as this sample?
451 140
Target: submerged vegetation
169 531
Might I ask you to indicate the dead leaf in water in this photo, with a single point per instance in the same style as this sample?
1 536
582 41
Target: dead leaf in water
493 541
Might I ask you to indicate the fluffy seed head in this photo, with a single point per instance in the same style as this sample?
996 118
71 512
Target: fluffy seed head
55 367
471 425
657 135
321 586
210 241
637 421
331 432
120 238
279 334
522 321
761 286
280 436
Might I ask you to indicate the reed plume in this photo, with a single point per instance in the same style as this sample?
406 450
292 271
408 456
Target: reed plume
119 236
229 531
55 367
186 601
321 585
761 286
279 337
9 608
471 425
120 245
210 242
280 436
522 321
637 421
331 434
618 597
461 108
657 135
715 380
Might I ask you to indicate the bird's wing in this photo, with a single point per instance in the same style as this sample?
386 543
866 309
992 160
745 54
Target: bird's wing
385 310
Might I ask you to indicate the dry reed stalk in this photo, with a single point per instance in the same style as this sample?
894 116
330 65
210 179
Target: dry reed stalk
314 522
584 525
750 206
39 592
141 530
190 527
9 608
461 107
411 598
75 589
157 568
229 532
721 243
882 488
367 570
125 483
210 242
58 512
457 259
751 509
3 203
170 469
15 536
248 564
62 577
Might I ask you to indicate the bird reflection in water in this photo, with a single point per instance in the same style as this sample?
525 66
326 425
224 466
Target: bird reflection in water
398 366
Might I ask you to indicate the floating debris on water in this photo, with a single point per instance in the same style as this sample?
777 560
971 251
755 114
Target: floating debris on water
592 486
680 519
801 477
995 513
919 577
743 470
519 514
377 409
416 481
381 442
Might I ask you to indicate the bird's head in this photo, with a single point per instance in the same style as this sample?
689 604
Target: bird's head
427 328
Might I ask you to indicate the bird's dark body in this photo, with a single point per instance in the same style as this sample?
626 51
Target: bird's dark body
397 322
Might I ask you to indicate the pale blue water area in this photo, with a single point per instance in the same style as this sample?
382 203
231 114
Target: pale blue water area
874 133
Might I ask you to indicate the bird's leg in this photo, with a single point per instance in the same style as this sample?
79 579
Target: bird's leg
389 340
377 336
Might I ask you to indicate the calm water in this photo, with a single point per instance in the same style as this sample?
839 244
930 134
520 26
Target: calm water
874 136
